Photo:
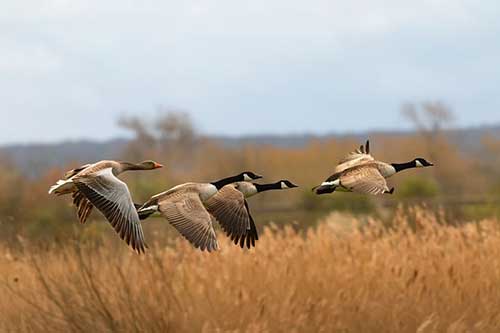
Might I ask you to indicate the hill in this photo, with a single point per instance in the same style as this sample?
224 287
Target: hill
34 159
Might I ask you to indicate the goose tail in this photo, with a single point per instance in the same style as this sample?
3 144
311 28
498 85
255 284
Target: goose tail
62 187
146 210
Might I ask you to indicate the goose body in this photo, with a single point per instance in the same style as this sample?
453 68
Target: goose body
97 185
230 209
360 172
185 208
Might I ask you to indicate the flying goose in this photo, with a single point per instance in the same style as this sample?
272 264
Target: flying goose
97 185
184 206
360 172
230 209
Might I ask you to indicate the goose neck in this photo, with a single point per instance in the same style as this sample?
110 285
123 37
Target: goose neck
403 166
126 166
268 187
225 181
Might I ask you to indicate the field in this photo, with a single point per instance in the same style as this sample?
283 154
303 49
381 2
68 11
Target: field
414 272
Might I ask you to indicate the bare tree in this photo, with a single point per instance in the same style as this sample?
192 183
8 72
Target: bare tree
429 118
175 130
170 135
143 136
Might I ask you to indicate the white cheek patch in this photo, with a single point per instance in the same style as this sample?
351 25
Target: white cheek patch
246 177
419 164
283 185
334 183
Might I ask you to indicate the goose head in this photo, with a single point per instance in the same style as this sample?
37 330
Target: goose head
285 184
149 165
422 163
246 176
144 165
249 176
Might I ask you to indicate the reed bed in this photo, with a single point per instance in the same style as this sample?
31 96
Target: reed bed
418 273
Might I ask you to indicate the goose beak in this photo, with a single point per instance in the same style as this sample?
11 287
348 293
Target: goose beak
258 176
158 165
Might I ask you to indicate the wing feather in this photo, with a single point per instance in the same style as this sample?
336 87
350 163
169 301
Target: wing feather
364 179
358 157
189 216
112 198
251 235
83 206
228 208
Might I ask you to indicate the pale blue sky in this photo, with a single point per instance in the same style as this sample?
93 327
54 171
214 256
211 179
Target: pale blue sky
69 69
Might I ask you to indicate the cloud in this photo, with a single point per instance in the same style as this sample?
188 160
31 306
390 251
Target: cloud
70 68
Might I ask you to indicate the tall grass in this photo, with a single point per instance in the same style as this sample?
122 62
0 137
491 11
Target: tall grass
346 275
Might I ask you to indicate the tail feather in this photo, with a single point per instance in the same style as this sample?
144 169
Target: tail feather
62 187
145 212
144 215
324 189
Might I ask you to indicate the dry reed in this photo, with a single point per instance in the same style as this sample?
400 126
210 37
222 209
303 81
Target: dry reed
419 275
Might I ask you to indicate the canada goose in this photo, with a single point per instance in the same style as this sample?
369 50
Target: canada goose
360 172
230 208
97 185
184 206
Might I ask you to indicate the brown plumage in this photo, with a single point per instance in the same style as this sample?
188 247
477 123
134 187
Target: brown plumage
186 207
96 185
360 172
365 178
183 208
230 207
83 206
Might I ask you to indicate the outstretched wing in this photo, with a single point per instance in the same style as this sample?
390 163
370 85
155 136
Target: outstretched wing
364 179
251 235
188 215
357 157
83 206
228 207
112 198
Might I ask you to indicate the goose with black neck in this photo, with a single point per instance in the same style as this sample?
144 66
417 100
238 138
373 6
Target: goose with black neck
184 207
360 172
230 207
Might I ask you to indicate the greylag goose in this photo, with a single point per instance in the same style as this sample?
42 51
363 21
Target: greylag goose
97 185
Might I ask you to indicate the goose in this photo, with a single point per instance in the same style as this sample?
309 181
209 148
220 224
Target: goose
230 208
97 185
184 207
360 172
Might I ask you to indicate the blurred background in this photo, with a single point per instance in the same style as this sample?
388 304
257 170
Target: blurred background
211 89
281 88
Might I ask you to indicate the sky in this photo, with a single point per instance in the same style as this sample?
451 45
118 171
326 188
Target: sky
69 68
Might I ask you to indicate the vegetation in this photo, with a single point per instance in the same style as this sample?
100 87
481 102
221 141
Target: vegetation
345 275
370 265
27 210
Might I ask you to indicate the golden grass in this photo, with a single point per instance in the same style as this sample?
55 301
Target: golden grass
334 278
